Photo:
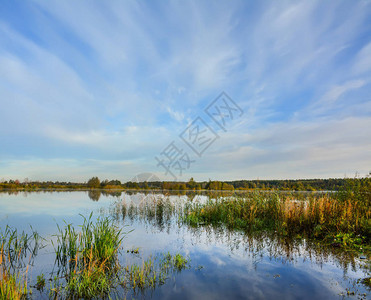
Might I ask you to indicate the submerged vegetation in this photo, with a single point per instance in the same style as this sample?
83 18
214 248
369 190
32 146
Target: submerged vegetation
88 259
14 248
12 285
345 223
87 263
153 271
341 219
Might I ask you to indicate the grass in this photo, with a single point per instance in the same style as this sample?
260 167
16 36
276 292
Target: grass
153 271
12 285
14 248
40 284
88 259
344 223
176 262
89 264
153 210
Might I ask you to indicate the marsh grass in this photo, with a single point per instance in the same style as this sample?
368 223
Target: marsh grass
175 262
12 285
15 247
154 271
345 223
154 211
89 266
88 259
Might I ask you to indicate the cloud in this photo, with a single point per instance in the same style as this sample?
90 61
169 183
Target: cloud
118 81
334 93
291 150
330 100
176 115
362 62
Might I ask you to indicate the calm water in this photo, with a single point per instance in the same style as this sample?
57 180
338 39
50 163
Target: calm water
224 264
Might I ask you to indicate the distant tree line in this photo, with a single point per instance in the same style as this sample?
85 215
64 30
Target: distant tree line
332 184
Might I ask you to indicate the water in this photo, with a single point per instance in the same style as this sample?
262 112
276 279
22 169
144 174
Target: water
224 264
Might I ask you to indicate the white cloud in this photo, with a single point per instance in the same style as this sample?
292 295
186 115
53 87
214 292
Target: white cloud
334 93
362 62
119 80
176 115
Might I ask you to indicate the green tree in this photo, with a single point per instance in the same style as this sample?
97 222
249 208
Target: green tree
191 184
94 182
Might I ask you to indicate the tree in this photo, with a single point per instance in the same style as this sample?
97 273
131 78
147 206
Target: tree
191 184
94 182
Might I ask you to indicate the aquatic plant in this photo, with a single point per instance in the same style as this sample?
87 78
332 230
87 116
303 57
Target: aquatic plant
14 248
89 265
325 217
17 246
40 283
153 271
88 259
12 285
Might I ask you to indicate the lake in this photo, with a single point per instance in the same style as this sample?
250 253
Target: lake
224 264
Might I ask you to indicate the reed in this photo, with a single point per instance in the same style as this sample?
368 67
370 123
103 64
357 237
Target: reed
13 282
18 246
12 286
153 271
87 263
326 217
89 258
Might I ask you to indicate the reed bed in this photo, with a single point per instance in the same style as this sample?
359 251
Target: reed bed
89 265
88 260
15 247
345 223
12 285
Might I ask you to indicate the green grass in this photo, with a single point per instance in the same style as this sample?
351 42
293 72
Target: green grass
15 247
174 262
12 285
88 258
40 284
153 272
87 263
344 223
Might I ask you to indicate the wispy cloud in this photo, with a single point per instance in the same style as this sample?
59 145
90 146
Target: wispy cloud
117 81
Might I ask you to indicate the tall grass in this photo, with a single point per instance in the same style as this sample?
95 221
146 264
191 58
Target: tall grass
14 248
153 210
89 258
18 246
321 217
87 263
12 285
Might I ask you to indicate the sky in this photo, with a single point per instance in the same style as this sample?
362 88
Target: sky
117 88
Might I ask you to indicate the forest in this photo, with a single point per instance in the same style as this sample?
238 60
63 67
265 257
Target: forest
331 184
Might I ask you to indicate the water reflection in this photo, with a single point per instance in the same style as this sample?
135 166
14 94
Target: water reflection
166 214
94 195
225 263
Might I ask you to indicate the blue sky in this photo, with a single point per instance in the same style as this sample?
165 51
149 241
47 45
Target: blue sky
103 87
